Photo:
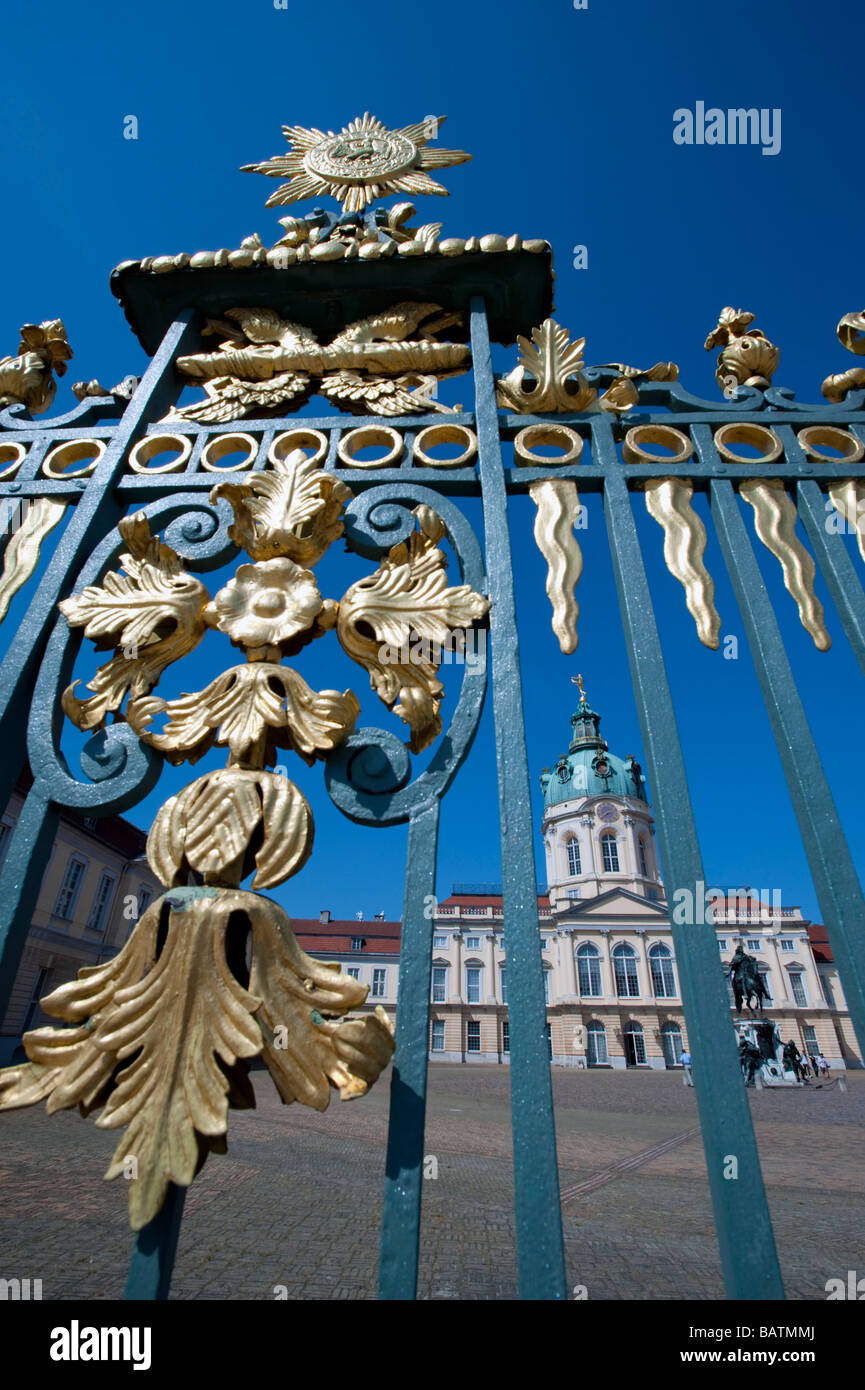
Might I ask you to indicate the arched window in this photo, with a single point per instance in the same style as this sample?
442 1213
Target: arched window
671 1037
663 975
574 857
596 1045
474 974
625 966
589 969
611 854
635 1045
644 863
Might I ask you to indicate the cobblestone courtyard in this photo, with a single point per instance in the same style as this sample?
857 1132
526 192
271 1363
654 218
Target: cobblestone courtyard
296 1201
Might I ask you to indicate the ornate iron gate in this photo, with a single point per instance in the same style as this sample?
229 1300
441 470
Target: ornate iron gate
88 470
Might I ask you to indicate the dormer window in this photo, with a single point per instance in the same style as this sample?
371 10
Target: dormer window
357 943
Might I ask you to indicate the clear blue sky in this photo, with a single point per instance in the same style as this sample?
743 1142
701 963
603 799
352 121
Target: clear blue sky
569 116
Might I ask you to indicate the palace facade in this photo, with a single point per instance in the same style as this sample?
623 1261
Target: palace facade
610 972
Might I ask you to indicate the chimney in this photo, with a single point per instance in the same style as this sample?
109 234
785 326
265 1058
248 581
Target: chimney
324 916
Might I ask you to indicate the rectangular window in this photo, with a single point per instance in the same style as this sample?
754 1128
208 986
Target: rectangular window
437 1041
547 974
503 974
809 1033
752 943
473 984
545 941
798 986
439 984
473 943
357 943
379 978
69 888
102 902
506 1036
786 943
473 1037
722 943
353 971
589 972
440 942
611 854
573 858
145 898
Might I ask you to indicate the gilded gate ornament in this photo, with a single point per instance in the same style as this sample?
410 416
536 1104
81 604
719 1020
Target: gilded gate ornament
374 365
358 164
162 1035
851 333
28 379
549 377
748 358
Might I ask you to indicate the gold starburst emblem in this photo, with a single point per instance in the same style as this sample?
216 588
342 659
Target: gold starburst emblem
358 164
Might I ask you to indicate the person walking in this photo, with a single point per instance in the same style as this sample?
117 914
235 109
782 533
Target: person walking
823 1064
685 1059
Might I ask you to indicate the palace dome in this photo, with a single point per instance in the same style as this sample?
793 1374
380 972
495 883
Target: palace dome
589 768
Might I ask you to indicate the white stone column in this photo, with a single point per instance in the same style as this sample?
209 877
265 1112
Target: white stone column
489 993
567 965
456 981
608 978
644 975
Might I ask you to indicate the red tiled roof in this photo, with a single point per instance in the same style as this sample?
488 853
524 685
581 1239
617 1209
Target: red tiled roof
820 943
379 938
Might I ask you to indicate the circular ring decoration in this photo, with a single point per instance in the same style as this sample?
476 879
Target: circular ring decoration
58 463
222 444
759 436
847 444
555 436
633 450
298 439
154 444
11 458
366 437
445 434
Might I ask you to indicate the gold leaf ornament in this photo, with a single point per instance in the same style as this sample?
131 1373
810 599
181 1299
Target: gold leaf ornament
294 510
152 613
408 600
210 827
241 706
184 1026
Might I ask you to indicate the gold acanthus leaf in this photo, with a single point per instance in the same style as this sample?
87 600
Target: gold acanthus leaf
305 1061
210 825
152 612
183 1025
553 361
408 599
243 704
295 510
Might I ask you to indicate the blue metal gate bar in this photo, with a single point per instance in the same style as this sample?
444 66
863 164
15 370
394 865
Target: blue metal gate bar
400 1235
836 882
746 1242
155 1246
538 1214
842 581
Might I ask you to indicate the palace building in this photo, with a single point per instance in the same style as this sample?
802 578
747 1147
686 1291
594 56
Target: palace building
610 974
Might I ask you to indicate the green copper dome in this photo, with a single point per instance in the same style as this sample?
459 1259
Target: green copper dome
588 768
